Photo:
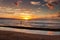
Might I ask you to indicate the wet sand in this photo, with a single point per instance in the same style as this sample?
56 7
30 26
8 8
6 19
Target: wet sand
8 35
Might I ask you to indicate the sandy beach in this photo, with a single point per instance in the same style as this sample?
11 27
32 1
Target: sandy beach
8 35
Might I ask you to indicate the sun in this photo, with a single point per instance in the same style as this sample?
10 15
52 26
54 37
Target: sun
26 17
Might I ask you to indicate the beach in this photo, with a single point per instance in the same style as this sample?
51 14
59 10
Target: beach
7 35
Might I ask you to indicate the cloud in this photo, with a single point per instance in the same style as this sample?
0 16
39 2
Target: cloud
35 3
18 2
51 3
6 10
9 3
50 6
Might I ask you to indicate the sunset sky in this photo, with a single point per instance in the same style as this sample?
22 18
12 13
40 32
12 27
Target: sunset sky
15 8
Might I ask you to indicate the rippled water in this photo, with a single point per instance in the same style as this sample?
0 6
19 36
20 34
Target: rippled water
31 23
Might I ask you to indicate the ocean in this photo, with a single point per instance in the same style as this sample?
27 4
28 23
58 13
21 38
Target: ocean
41 23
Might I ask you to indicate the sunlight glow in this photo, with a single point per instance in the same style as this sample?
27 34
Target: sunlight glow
25 16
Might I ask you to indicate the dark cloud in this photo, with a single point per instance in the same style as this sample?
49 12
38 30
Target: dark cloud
18 2
50 1
50 6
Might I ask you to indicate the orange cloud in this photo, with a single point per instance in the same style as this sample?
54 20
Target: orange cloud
35 3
